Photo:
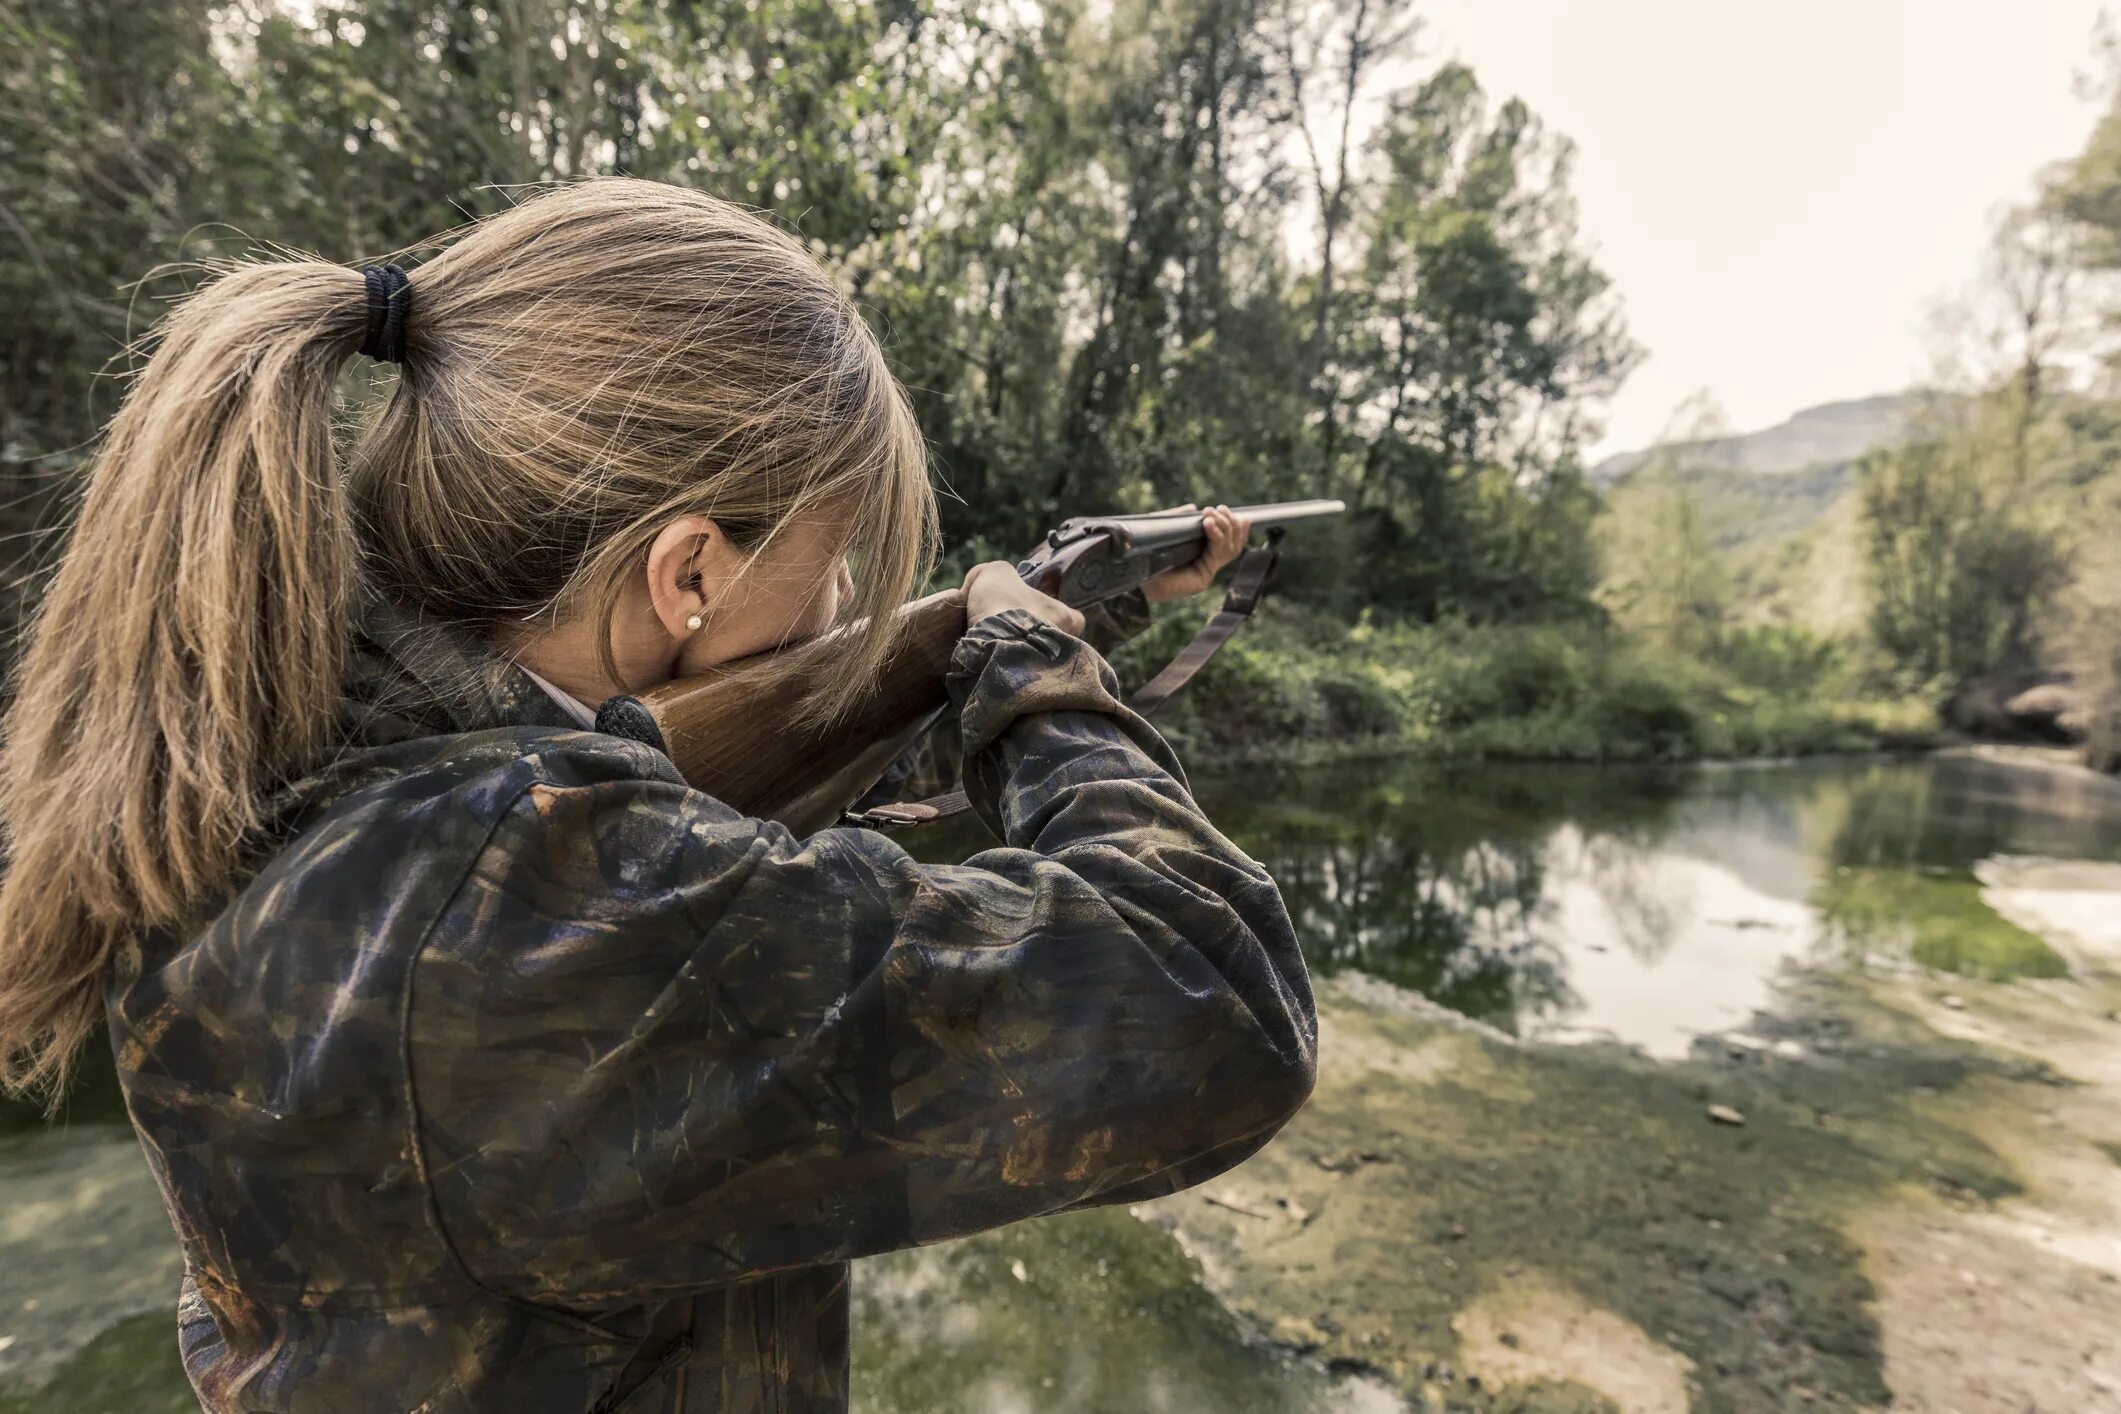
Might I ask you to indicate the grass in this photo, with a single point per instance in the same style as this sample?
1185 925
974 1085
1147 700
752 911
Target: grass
1301 686
1942 922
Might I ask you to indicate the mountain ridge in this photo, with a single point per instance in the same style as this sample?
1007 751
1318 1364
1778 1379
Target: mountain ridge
1821 435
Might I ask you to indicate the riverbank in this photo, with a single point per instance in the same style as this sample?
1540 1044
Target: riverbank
1882 1196
1893 1186
1301 687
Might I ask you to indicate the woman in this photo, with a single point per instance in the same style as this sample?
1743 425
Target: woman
483 1064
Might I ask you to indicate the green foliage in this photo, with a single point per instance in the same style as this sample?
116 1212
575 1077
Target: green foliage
1786 658
1959 573
1301 682
1054 216
1665 579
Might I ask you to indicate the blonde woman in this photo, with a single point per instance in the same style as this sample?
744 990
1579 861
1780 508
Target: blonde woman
484 1064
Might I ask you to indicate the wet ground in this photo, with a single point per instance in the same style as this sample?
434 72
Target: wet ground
1739 1088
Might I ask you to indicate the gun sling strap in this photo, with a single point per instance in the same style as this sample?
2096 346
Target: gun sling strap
1247 587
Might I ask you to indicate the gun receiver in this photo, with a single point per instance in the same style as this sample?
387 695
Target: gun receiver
728 731
1093 558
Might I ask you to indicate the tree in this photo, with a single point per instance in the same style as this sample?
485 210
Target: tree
1959 574
1068 223
1663 577
1479 338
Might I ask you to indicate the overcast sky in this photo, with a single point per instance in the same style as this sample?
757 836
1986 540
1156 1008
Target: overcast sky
1782 191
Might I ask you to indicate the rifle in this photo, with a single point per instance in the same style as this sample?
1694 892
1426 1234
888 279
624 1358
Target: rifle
728 734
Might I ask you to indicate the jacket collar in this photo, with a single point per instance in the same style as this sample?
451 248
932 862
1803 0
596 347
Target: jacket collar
414 685
413 675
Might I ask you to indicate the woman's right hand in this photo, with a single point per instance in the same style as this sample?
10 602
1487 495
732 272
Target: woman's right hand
995 586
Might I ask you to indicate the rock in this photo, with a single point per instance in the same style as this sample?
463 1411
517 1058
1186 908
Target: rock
1955 1001
1016 1269
2054 710
1724 1114
1301 1333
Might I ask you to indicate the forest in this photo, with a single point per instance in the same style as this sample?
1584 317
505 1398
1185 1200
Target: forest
1123 255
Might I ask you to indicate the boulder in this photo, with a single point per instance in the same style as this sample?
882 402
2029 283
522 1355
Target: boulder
2056 710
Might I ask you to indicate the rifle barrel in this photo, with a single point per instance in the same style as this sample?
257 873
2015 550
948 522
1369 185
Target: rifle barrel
1286 512
1155 529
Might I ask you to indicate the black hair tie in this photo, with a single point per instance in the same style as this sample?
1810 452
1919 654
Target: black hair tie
389 302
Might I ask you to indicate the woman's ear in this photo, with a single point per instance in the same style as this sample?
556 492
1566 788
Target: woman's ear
690 564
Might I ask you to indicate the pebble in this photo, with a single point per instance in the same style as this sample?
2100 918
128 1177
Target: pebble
1017 1270
1955 1001
1724 1114
1296 1331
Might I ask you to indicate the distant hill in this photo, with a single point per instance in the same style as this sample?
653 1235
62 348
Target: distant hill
1779 506
1827 435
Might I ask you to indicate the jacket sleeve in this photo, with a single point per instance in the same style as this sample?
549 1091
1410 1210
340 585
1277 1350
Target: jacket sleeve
654 1044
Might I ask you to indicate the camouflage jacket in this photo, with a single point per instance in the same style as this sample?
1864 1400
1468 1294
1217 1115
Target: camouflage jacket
518 1076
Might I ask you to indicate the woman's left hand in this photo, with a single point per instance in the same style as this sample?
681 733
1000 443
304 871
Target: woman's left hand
1226 533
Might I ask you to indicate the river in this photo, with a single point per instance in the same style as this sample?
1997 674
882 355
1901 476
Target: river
1640 1089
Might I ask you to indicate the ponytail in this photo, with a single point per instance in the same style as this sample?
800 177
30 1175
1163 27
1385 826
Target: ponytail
189 655
188 652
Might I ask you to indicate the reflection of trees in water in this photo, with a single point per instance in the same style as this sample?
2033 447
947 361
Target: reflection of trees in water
1445 879
1440 878
1452 924
1623 869
1947 814
1436 879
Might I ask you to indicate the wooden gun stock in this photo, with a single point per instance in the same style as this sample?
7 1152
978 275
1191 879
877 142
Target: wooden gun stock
730 732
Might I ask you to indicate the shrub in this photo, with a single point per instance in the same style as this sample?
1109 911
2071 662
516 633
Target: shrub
1646 716
1300 683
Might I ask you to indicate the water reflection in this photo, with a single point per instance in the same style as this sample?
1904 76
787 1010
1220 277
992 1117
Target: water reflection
1646 905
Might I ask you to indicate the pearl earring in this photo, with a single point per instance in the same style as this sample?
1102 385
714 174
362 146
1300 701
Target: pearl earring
693 623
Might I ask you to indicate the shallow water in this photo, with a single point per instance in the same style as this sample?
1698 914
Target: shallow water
1648 906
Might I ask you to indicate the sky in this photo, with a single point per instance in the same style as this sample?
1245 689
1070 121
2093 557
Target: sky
1782 192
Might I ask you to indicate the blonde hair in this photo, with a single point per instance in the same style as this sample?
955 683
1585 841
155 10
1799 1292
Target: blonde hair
579 370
